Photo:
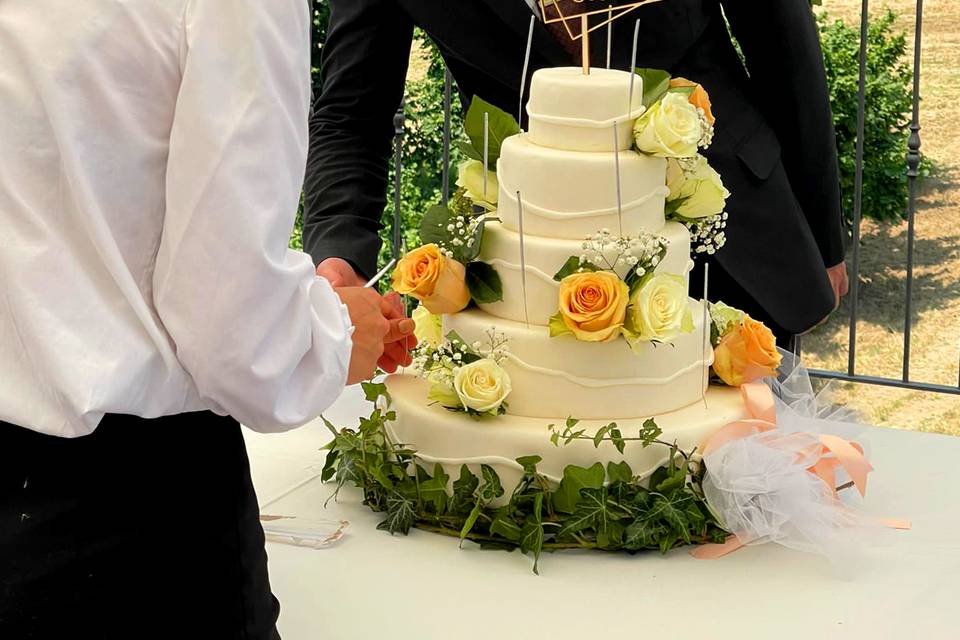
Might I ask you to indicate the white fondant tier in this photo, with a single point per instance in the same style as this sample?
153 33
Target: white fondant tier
570 110
567 377
571 194
454 439
544 257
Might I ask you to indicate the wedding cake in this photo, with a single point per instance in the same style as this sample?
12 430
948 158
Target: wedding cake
570 189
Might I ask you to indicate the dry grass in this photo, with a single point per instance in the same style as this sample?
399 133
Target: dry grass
936 298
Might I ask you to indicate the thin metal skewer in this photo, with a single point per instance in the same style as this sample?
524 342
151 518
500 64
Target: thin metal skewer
609 33
706 329
486 152
633 66
379 275
526 69
523 258
616 162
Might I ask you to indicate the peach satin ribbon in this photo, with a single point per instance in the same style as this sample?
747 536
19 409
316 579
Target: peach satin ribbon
831 452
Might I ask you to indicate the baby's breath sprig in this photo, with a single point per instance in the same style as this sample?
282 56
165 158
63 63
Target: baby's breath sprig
707 234
638 254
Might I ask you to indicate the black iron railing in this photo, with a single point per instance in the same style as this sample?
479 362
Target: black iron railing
912 168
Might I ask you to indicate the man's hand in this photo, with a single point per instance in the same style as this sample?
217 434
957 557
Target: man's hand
839 282
400 339
339 273
370 329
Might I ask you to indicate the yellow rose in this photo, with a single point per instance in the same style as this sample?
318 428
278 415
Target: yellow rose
428 327
592 306
670 128
746 354
437 281
700 190
659 310
699 98
482 385
470 177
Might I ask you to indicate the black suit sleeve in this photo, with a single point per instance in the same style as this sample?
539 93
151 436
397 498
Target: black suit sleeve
363 70
781 46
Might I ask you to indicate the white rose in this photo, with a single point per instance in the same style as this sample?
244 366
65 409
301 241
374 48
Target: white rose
700 192
428 327
670 128
482 385
659 310
470 177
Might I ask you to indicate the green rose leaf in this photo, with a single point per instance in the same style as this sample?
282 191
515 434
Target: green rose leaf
558 327
467 149
656 82
484 283
574 480
572 266
433 226
501 126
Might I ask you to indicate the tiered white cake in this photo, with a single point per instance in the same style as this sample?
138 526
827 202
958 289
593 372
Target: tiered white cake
565 172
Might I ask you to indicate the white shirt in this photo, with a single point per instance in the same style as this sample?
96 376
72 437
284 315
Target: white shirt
151 159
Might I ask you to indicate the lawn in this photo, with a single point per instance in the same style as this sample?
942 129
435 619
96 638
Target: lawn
936 299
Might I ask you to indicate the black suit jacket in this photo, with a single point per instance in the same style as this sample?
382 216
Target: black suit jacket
773 146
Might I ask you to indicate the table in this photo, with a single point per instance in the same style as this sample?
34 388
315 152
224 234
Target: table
423 586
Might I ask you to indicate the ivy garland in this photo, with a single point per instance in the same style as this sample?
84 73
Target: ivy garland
592 508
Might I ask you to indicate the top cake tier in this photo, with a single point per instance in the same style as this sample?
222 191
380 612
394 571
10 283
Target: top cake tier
576 112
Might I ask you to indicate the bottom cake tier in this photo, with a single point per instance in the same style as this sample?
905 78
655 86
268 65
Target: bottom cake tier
454 439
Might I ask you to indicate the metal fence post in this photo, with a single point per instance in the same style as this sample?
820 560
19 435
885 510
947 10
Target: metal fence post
913 167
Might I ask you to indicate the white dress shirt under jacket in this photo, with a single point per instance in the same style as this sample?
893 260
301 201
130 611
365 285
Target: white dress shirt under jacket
151 159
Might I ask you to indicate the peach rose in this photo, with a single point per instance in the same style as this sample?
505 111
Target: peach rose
437 281
699 98
746 354
593 305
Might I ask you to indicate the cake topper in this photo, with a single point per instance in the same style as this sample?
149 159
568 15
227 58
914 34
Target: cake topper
553 12
526 68
523 258
706 329
616 163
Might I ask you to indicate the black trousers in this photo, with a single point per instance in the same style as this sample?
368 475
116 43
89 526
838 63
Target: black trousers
144 529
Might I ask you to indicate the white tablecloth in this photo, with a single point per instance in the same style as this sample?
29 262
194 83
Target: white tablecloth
373 585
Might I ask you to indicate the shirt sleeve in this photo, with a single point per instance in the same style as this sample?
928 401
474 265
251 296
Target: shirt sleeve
263 337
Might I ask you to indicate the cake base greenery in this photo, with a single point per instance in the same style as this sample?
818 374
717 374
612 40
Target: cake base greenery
605 508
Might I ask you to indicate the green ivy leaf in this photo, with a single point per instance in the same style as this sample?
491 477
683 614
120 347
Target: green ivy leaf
598 436
611 538
401 514
373 391
484 283
463 489
501 126
643 534
676 479
490 487
434 490
649 432
617 438
529 463
673 512
503 525
470 521
330 465
655 84
619 472
531 538
575 479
